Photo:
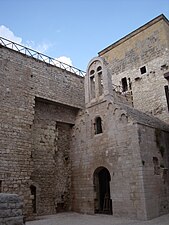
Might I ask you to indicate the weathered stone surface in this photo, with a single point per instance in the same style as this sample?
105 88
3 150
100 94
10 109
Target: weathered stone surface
66 148
10 209
126 148
147 46
26 83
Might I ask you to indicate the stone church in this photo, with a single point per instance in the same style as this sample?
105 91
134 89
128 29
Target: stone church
97 143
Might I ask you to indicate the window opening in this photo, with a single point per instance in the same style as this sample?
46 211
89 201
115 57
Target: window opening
167 95
166 87
166 76
129 83
0 186
99 68
91 72
92 86
124 84
33 193
100 83
143 70
156 166
98 125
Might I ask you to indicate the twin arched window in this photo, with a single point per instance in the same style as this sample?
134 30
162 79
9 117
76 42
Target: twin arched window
98 85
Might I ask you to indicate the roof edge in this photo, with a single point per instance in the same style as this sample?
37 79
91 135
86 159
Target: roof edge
133 33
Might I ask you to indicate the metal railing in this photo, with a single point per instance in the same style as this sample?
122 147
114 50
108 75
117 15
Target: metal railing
117 88
32 53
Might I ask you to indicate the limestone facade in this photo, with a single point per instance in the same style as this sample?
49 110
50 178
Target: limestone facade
128 147
140 60
75 143
38 105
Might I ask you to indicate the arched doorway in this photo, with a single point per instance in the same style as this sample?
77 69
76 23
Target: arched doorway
102 200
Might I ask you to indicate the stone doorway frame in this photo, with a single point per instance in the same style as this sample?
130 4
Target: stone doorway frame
102 198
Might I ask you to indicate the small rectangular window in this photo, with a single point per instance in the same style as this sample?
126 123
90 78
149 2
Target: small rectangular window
98 125
143 70
124 84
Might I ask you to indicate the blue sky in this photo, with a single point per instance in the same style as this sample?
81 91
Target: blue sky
75 30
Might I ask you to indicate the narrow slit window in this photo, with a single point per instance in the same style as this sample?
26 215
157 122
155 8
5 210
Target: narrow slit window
166 88
98 125
92 86
33 194
100 83
167 95
156 166
129 83
0 186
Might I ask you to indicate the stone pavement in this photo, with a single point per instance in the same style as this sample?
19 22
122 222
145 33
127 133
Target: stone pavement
83 219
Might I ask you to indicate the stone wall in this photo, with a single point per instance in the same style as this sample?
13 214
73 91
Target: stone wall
51 157
139 47
117 150
154 145
146 47
22 80
50 151
40 79
126 147
10 209
109 138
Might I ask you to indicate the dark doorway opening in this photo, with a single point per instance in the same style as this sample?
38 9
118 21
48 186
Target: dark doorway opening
102 201
33 193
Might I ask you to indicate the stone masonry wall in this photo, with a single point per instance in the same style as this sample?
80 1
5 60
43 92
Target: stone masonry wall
149 48
116 149
154 145
139 49
128 148
51 156
22 79
42 79
150 84
10 209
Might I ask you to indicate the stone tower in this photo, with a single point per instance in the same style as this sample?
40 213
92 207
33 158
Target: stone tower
97 86
109 148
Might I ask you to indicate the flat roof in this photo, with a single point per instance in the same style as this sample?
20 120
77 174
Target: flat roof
140 29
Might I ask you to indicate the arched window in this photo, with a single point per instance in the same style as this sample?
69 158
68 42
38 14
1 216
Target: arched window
92 83
99 68
92 72
98 125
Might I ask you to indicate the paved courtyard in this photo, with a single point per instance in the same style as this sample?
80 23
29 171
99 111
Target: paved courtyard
83 219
